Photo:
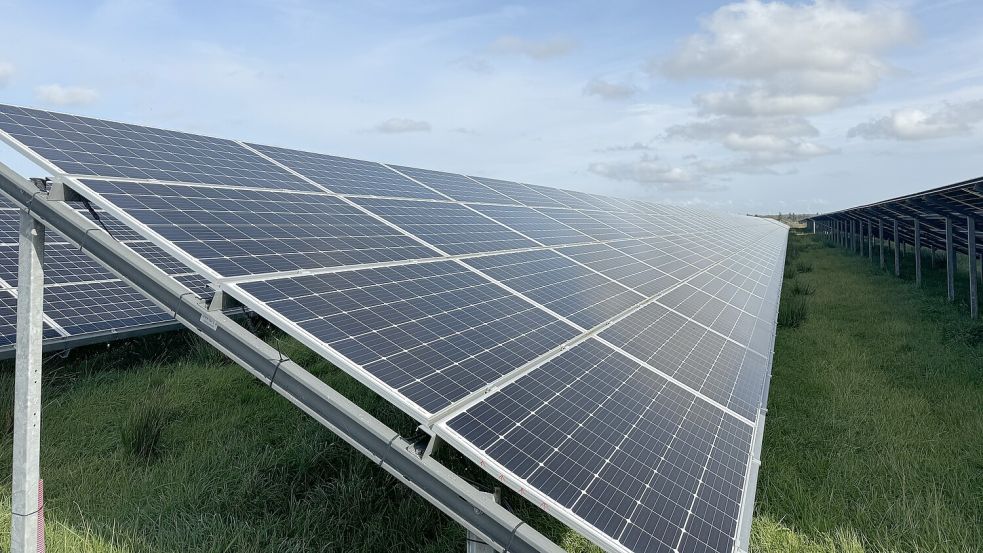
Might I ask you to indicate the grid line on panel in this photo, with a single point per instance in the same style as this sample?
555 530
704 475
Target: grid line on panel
519 192
533 224
586 429
559 284
465 403
94 147
235 232
451 227
347 176
456 187
432 332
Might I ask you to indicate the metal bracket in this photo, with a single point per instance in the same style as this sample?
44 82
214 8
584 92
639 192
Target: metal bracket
59 191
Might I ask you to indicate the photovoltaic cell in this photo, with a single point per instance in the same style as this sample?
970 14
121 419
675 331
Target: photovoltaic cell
452 228
99 306
585 223
348 176
620 266
239 231
690 354
534 224
560 284
8 321
456 187
432 332
519 192
625 450
85 146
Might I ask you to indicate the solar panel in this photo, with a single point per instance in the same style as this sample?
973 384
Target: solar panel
452 228
608 358
622 267
348 176
455 187
637 459
234 232
561 284
533 224
521 193
585 223
429 334
86 146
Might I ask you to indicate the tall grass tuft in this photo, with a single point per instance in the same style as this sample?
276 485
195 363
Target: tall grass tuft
803 267
142 433
798 288
792 312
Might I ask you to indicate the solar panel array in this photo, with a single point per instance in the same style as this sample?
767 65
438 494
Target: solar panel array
608 358
82 299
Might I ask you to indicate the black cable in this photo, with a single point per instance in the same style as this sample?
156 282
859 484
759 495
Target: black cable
95 216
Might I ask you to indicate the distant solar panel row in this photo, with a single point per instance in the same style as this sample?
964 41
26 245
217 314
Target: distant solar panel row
607 357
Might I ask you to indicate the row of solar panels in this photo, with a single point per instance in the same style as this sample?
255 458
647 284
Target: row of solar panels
930 208
607 357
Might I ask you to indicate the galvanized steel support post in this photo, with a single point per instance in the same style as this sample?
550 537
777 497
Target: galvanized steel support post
950 260
974 308
897 250
880 238
27 517
918 253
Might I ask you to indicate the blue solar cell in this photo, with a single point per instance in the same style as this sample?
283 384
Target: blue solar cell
86 146
432 332
454 186
619 266
560 284
620 447
534 224
453 228
239 231
522 193
348 176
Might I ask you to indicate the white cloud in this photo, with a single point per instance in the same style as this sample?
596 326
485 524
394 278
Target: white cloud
633 147
535 49
6 72
401 125
609 91
648 171
66 95
951 119
473 63
789 58
720 127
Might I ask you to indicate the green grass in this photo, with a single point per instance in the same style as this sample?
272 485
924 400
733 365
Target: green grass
874 436
874 440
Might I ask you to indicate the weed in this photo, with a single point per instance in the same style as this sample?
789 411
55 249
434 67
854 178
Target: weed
142 433
792 312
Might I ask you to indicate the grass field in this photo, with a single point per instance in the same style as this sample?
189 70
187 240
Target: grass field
874 439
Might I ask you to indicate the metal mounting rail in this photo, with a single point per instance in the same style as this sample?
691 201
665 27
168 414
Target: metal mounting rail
436 483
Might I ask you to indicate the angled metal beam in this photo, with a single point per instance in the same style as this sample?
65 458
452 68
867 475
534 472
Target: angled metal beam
424 475
27 516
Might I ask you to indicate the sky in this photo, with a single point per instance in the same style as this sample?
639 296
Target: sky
744 107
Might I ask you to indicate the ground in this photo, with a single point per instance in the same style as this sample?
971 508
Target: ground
873 442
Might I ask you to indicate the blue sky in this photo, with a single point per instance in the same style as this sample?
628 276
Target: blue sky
745 107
